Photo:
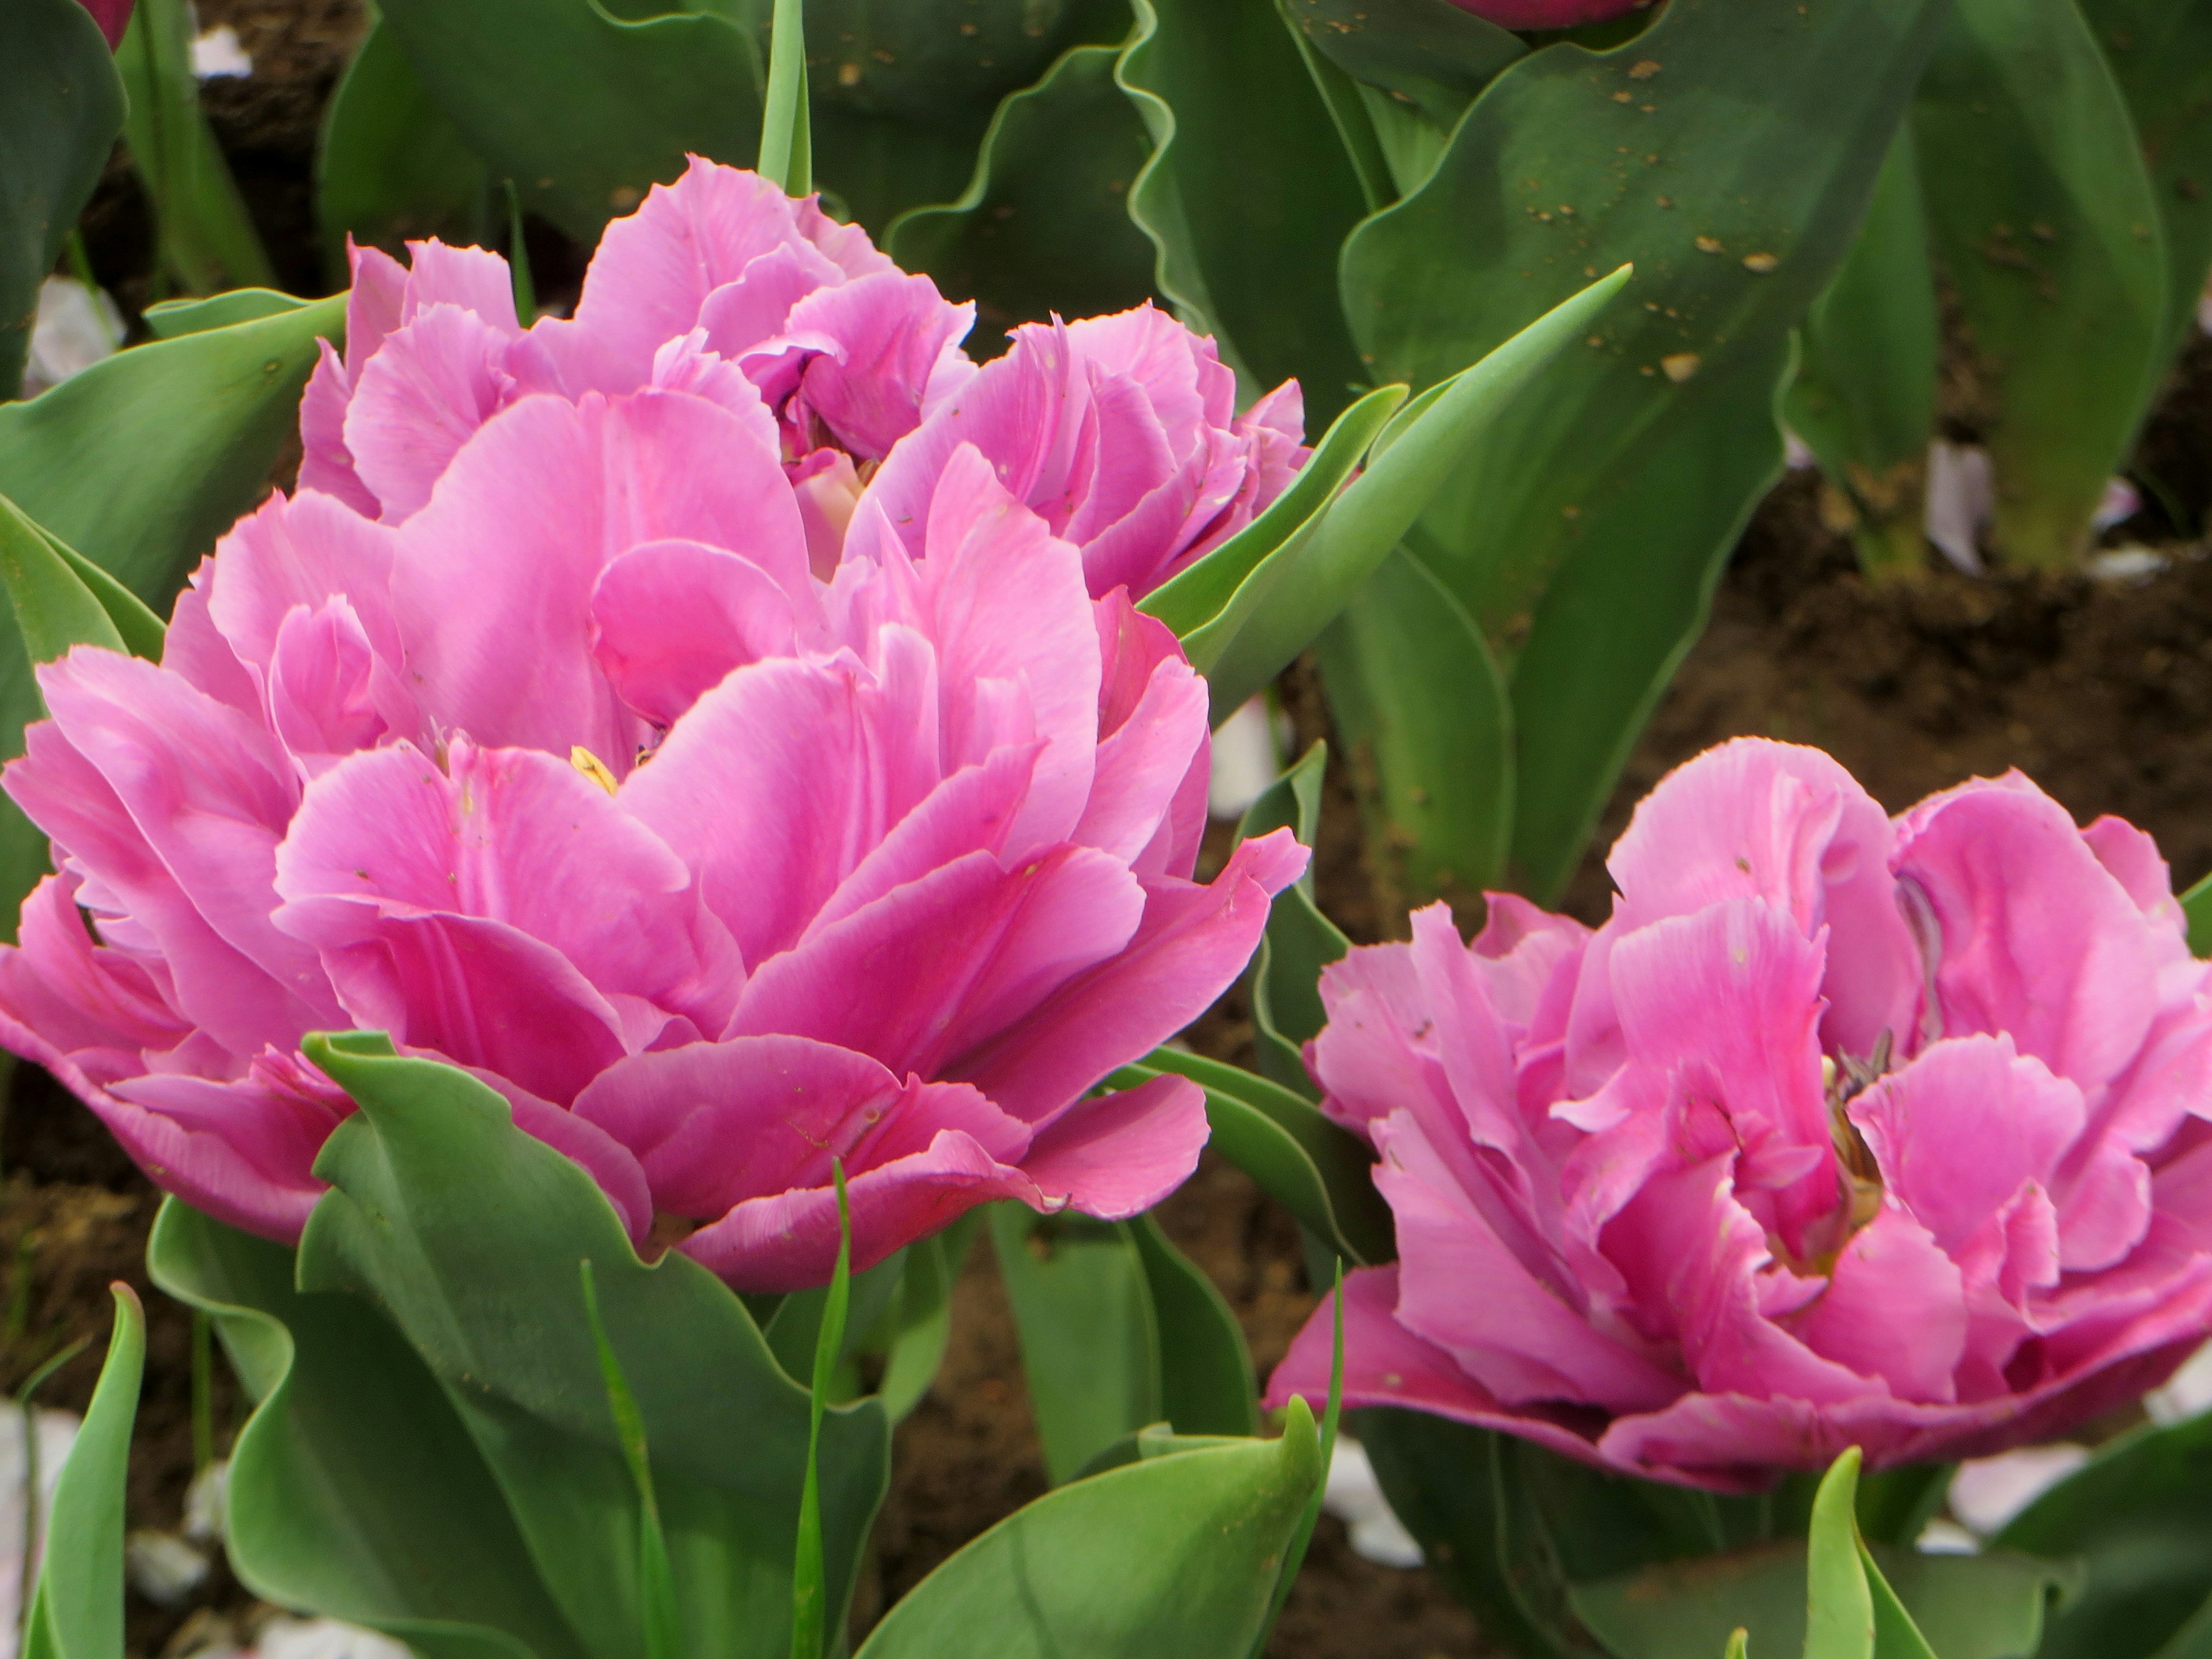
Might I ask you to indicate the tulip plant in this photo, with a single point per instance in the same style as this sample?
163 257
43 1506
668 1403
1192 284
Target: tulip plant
690 813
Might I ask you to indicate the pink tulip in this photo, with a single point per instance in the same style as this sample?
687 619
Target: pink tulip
1843 1131
113 18
1550 14
576 776
1120 431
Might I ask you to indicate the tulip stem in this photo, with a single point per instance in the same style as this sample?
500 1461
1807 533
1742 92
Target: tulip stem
809 1579
786 150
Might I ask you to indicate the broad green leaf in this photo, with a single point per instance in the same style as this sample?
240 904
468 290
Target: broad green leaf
1963 1606
467 1230
1248 193
1617 620
1192 598
76 1611
169 319
808 1588
1431 53
203 235
1090 1338
656 1584
786 153
1839 1606
1317 1171
1629 454
54 608
584 111
2042 214
919 1322
2139 1516
2197 905
1042 225
1865 395
1410 677
391 165
1298 589
1171 1557
61 106
354 1491
1206 1385
139 462
2160 52
1300 941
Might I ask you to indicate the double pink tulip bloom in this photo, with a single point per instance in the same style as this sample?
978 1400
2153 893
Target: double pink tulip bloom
534 731
1843 1131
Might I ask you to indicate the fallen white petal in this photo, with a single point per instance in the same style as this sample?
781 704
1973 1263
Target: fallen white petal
203 1502
1245 761
1988 1492
57 1434
283 1637
218 53
76 327
1961 496
1941 1537
162 1567
1354 1496
2185 1394
2133 566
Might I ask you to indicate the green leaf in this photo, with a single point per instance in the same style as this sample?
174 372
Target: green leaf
1192 598
354 1491
2139 1516
139 462
76 1612
2160 52
203 235
2042 214
786 156
61 106
584 110
1042 225
1962 1606
54 608
1298 589
463 1227
1839 1608
1739 1645
1295 1557
1089 1339
920 1322
656 1584
391 165
2197 905
1248 193
1642 452
1410 677
1865 396
1206 1385
1617 620
1300 941
1319 1172
1429 52
1172 1557
169 319
808 1588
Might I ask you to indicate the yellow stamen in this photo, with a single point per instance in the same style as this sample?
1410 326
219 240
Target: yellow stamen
592 767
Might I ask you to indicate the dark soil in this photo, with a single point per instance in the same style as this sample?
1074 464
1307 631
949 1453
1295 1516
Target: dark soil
2102 692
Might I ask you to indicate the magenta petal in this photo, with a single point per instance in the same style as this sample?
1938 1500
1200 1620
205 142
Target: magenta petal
1189 944
940 964
1141 766
891 330
1895 1309
789 1242
672 618
1118 1155
543 498
418 400
714 1124
2036 939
